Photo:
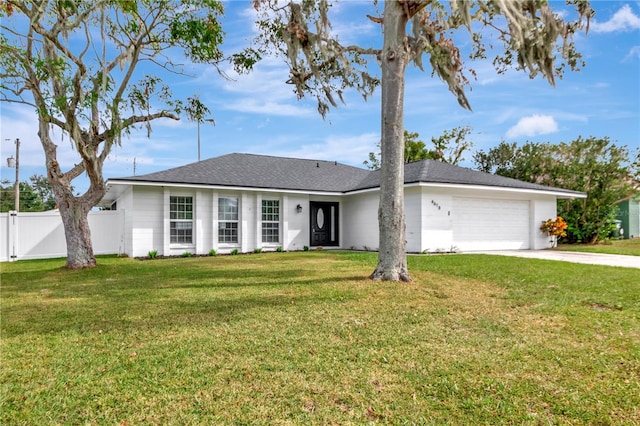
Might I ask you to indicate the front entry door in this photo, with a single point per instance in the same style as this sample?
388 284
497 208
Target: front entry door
324 224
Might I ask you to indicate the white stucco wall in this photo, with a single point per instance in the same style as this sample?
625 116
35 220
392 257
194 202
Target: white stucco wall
144 220
360 221
437 231
429 218
295 225
542 208
147 223
125 202
413 218
202 226
438 216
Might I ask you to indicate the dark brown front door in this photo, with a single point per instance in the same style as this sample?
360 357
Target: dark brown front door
324 224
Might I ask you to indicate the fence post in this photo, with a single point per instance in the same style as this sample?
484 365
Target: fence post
12 234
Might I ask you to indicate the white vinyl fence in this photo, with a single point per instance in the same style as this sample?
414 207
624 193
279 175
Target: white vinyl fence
41 235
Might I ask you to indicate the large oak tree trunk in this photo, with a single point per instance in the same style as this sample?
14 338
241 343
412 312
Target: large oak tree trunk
76 230
74 210
392 259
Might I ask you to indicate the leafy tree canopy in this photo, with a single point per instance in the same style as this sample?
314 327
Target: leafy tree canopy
533 39
35 197
449 148
77 64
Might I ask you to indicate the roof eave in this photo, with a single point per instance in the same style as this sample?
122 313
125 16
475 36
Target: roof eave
225 187
560 193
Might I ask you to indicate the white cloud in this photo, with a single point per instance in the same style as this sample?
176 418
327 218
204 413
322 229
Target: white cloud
258 106
623 20
633 53
352 150
533 125
570 116
20 122
263 91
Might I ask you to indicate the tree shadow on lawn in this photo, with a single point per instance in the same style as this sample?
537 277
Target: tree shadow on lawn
124 308
95 281
275 280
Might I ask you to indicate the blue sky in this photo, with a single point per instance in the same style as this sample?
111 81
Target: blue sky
259 113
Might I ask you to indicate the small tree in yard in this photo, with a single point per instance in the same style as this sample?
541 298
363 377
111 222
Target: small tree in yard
75 63
554 228
533 38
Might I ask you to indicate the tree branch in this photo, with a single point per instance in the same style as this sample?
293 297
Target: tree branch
134 119
74 172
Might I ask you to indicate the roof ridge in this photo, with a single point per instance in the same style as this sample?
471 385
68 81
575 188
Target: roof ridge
279 157
425 167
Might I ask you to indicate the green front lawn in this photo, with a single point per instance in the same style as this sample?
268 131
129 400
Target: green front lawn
628 247
306 338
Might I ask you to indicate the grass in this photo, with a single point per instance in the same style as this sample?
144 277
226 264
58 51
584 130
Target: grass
306 338
629 247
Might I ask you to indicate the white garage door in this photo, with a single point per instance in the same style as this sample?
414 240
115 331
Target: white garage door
487 224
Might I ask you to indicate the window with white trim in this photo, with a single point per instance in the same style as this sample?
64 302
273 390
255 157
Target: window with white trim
270 221
228 220
181 219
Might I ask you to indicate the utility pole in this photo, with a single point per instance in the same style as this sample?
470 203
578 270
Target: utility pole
209 120
17 174
196 111
16 163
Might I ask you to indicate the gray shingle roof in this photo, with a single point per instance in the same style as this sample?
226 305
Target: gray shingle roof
261 171
432 171
267 172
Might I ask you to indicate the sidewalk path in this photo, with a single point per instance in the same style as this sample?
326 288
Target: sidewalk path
569 256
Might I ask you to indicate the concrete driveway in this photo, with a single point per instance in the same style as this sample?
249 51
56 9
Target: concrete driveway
576 257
